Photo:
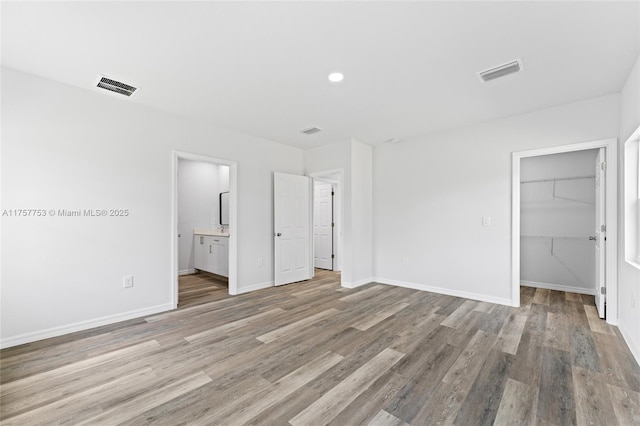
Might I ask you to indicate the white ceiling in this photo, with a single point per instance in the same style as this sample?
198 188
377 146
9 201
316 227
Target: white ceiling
261 67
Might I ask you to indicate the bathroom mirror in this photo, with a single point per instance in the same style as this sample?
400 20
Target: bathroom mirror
224 208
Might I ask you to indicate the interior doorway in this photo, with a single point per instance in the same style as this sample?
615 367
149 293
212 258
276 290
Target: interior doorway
558 214
568 246
333 229
200 239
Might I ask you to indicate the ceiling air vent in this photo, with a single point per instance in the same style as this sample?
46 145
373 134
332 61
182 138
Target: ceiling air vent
501 70
310 130
115 86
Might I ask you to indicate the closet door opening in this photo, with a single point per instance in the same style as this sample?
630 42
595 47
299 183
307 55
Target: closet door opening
559 243
564 227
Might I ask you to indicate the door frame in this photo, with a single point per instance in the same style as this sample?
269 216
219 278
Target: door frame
338 203
601 241
611 220
233 219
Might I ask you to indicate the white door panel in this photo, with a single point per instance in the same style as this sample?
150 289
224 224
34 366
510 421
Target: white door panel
292 228
322 225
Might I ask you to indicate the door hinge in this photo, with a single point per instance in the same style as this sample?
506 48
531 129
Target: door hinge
333 193
603 228
333 224
603 290
333 256
603 165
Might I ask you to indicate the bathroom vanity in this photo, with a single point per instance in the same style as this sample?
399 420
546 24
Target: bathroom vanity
211 251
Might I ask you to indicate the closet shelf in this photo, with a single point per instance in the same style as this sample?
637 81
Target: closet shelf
558 179
558 238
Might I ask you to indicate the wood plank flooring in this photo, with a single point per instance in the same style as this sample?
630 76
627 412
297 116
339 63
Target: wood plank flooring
201 288
314 353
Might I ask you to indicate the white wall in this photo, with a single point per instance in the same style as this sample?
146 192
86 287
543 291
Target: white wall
628 276
355 160
571 213
430 194
361 213
199 186
68 148
223 182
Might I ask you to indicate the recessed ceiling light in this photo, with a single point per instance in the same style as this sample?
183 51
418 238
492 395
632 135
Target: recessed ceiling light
336 77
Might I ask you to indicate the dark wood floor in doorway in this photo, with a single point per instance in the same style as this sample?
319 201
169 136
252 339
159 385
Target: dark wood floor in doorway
314 353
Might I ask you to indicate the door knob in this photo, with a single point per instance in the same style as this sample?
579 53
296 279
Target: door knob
278 234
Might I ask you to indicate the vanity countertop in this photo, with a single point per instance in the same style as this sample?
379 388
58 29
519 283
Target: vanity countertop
210 231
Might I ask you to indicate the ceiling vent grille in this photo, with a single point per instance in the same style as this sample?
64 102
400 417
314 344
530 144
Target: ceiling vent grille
310 130
501 70
115 86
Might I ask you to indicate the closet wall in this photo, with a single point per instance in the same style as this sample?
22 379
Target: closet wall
557 218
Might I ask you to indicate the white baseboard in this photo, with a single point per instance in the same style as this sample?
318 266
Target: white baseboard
633 346
559 287
82 325
187 272
447 291
356 283
254 287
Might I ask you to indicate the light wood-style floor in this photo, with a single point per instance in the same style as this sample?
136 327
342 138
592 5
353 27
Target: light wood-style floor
313 353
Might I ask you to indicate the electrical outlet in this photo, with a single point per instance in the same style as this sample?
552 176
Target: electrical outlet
127 281
405 261
259 261
486 220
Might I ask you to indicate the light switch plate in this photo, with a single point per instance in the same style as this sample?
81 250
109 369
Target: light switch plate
127 281
486 220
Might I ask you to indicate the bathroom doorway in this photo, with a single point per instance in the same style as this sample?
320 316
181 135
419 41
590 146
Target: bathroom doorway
204 248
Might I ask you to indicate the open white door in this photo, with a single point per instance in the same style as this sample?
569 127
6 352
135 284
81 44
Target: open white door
292 228
323 225
600 226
